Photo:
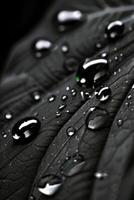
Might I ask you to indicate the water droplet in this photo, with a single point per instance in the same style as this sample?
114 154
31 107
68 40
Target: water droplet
116 58
103 94
8 116
4 135
71 131
92 73
73 92
114 30
97 118
41 47
25 129
104 55
66 19
58 114
52 98
100 175
98 45
72 165
61 107
67 88
129 96
49 185
65 48
36 96
119 122
31 198
64 97
71 64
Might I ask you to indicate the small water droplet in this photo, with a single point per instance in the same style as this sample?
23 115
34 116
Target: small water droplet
67 88
66 19
119 122
58 114
8 116
104 55
116 58
71 131
98 45
36 96
31 198
129 96
25 129
52 98
72 165
4 135
100 175
65 48
73 92
85 95
71 64
49 185
64 97
103 94
97 118
92 72
61 107
114 30
41 47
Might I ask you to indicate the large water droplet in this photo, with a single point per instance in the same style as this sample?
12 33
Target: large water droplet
72 165
103 94
66 19
92 73
114 30
71 131
25 129
41 47
97 119
49 185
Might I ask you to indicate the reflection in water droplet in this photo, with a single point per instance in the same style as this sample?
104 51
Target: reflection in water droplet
119 122
66 19
61 107
100 175
8 116
92 73
71 131
114 30
52 98
73 165
64 97
49 185
41 47
103 94
97 119
36 96
25 129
